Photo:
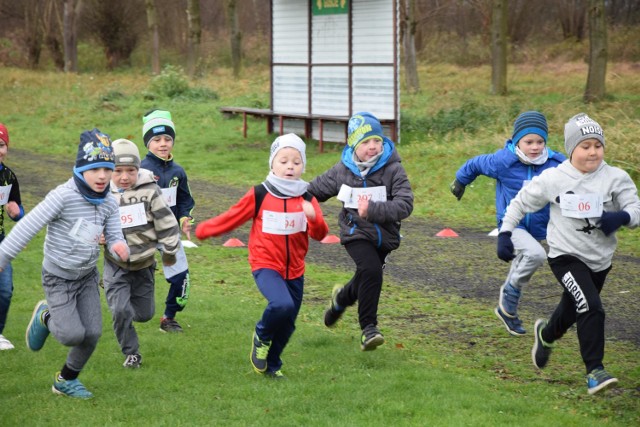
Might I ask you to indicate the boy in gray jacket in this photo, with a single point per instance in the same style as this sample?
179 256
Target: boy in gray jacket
76 214
589 200
148 224
376 194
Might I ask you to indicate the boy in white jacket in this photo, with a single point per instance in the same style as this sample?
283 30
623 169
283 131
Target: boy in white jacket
589 200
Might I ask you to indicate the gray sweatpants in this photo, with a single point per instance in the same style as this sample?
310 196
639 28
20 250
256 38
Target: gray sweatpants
130 298
76 317
530 256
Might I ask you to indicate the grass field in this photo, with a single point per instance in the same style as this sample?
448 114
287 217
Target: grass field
476 376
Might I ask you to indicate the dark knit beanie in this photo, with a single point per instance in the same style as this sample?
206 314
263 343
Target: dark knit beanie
157 122
95 151
361 127
530 122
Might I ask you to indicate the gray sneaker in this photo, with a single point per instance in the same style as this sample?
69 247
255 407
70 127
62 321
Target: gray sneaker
371 338
132 361
334 312
170 325
541 350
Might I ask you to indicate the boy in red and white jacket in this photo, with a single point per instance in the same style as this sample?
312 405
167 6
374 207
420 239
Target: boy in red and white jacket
284 215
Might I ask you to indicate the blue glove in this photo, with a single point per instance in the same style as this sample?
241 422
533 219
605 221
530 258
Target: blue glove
611 221
505 247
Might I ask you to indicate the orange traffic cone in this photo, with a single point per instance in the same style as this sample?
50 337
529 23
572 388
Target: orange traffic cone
447 232
233 243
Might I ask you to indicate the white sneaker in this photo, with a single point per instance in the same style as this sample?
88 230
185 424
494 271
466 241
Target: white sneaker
5 344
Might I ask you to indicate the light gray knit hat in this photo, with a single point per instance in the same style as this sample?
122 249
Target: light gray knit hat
126 153
579 128
288 140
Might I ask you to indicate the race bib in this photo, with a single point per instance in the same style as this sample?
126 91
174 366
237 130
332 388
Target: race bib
170 195
283 222
132 215
581 205
4 194
86 232
350 196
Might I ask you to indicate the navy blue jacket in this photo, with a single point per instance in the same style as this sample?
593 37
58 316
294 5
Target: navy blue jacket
511 174
167 174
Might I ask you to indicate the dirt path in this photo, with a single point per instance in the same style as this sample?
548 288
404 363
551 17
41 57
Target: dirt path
466 266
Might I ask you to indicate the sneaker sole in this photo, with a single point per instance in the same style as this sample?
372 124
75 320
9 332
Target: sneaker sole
511 331
602 386
374 343
33 317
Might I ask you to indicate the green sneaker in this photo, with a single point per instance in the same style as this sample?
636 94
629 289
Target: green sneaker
276 375
70 388
259 352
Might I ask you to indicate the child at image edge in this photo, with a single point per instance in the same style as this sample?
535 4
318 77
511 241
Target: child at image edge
10 198
376 194
147 223
589 200
159 134
284 215
76 213
523 156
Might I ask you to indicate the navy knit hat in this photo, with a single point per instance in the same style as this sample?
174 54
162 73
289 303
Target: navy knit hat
157 122
95 151
361 127
530 122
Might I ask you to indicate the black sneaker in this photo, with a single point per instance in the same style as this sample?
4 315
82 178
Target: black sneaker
259 352
169 325
332 315
599 379
541 350
276 375
371 338
132 361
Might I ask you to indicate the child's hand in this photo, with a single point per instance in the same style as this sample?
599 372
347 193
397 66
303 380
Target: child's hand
12 208
611 221
186 227
102 240
121 250
363 208
457 189
308 210
505 246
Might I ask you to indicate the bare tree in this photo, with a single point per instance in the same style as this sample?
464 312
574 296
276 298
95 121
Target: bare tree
572 18
195 32
152 24
499 47
70 34
235 36
33 31
52 28
595 89
408 35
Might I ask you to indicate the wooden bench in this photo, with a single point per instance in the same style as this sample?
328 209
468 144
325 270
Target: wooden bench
307 118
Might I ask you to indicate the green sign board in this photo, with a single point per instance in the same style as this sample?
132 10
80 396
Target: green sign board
330 7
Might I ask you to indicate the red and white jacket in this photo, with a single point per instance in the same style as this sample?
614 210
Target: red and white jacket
282 253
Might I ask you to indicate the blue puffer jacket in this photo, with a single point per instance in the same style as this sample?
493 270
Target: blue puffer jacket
511 174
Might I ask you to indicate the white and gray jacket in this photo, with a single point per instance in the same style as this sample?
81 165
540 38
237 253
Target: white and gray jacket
63 209
578 237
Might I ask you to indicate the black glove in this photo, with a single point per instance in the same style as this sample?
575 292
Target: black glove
611 221
457 189
505 246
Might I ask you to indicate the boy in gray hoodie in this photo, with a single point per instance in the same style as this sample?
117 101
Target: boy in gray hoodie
589 200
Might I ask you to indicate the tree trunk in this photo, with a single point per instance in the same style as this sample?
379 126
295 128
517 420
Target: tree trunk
499 47
235 36
33 31
70 35
595 89
195 32
53 32
409 44
152 24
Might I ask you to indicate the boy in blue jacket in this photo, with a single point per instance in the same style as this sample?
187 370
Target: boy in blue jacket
524 156
158 133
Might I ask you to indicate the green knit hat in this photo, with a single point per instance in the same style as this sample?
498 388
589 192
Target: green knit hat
157 122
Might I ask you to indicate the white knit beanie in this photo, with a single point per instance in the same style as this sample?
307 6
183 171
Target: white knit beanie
289 140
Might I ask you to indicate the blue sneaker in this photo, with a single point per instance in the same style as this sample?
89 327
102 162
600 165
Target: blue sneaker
37 331
513 324
509 299
71 388
598 379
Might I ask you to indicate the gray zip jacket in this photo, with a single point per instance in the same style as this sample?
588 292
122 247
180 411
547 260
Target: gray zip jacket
578 237
382 225
65 254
